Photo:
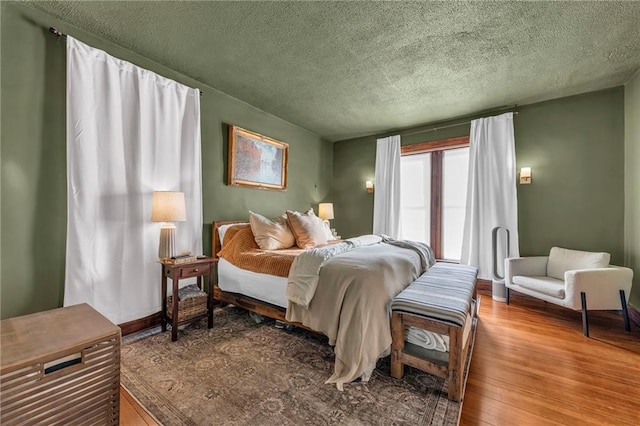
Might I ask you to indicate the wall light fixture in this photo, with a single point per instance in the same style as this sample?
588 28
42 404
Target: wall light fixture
525 175
369 185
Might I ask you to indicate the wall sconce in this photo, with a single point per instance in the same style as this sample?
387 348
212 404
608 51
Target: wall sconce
525 175
369 185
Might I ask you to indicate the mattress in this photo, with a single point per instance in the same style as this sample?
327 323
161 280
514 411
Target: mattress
268 288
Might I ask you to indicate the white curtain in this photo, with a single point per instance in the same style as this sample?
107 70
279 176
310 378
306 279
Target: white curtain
386 201
129 132
491 192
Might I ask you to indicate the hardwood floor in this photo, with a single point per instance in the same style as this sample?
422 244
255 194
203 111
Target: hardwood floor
131 414
532 366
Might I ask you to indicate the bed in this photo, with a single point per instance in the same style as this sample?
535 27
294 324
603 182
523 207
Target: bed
350 305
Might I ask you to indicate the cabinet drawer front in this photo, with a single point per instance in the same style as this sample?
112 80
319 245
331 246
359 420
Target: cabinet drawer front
194 271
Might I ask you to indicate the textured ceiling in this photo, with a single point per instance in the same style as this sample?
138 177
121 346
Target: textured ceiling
344 69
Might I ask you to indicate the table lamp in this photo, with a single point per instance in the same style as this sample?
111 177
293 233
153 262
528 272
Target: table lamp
325 212
168 207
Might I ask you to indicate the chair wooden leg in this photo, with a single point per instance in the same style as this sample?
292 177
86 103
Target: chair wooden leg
585 318
625 311
507 288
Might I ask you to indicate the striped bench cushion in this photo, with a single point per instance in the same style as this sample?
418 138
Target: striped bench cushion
443 293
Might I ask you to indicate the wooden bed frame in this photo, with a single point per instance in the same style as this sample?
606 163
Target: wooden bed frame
245 302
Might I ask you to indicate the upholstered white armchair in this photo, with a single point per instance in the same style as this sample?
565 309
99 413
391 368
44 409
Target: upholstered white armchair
577 280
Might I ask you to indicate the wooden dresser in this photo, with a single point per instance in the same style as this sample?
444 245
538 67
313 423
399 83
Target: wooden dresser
60 367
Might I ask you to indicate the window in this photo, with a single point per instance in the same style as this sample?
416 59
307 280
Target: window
434 193
416 198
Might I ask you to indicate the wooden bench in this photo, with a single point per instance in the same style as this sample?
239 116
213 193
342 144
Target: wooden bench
441 301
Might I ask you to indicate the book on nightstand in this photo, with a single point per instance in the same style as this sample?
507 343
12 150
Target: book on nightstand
179 260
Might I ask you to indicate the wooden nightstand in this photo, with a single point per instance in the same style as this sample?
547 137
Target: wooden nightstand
200 268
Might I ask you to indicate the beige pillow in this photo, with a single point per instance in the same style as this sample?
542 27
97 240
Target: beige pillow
271 234
307 228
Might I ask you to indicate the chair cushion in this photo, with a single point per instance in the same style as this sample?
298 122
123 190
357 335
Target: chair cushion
545 285
562 260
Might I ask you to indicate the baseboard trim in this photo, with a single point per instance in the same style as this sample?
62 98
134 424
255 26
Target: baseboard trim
634 315
140 324
483 286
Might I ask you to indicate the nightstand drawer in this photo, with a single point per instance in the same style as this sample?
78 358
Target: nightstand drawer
195 270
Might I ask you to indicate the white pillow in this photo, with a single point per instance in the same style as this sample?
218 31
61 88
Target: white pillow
327 231
271 234
562 260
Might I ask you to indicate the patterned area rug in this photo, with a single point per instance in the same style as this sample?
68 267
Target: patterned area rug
243 373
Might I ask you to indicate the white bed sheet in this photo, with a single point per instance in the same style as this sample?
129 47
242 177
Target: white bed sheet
268 288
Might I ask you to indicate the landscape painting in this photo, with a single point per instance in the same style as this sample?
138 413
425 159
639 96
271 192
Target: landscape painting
256 161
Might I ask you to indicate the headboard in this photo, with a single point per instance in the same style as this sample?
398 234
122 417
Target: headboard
215 237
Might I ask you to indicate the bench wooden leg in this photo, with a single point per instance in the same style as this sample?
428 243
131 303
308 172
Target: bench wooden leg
455 372
397 345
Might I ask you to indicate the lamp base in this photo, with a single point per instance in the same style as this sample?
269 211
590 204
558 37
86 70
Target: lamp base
167 248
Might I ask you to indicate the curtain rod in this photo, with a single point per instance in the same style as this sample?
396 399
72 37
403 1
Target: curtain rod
55 32
58 33
435 129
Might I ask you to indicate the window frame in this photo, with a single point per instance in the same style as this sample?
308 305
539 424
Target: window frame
437 149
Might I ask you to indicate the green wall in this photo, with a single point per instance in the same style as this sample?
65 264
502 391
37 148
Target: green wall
632 183
575 147
33 158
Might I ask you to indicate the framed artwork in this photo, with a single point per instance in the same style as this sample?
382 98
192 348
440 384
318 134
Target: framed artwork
256 161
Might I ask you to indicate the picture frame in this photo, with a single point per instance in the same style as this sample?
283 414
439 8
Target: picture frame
256 161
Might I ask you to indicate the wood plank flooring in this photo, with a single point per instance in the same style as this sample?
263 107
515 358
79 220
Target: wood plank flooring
131 413
532 366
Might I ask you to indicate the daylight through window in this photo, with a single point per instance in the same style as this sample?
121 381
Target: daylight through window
434 192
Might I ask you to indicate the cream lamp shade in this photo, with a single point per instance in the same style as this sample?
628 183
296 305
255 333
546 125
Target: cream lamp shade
167 207
325 211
